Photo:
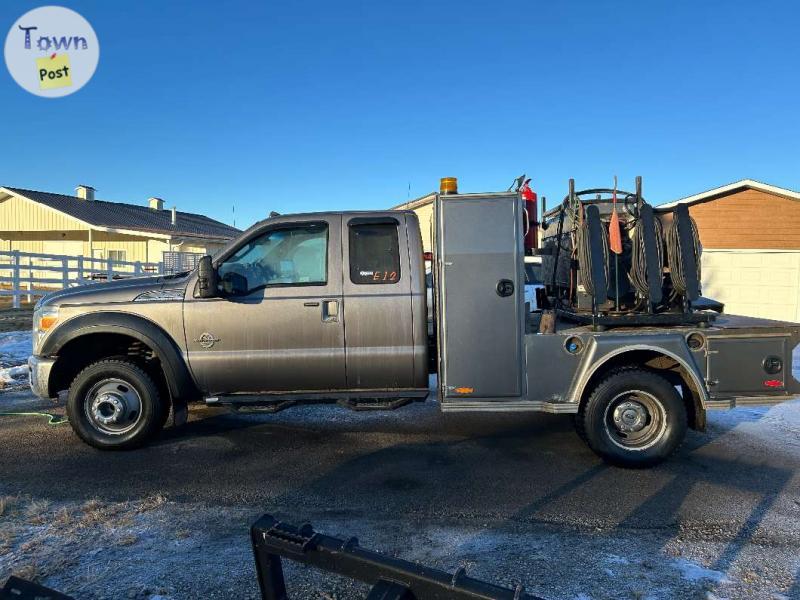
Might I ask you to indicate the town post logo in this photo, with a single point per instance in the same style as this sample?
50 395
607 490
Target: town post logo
51 51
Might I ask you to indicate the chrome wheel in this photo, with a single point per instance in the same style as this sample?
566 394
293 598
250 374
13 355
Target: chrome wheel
113 406
635 420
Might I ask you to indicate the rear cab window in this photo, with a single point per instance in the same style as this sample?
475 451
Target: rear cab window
374 252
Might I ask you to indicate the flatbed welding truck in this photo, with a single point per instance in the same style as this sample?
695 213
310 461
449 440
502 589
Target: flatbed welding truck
331 307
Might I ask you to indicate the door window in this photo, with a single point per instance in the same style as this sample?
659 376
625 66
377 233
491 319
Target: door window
374 253
287 256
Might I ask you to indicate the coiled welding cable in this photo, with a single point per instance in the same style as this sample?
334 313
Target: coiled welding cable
638 273
585 258
675 255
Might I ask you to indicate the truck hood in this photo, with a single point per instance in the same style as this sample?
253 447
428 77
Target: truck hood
123 290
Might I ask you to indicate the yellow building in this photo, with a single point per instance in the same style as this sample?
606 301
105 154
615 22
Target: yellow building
47 223
423 207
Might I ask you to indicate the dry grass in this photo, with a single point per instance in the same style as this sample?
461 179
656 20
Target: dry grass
8 504
151 503
7 539
37 511
128 539
29 571
34 533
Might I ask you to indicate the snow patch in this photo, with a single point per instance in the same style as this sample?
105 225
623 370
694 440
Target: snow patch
691 571
15 348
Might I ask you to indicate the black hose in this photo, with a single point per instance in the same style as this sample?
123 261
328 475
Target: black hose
585 258
638 273
675 255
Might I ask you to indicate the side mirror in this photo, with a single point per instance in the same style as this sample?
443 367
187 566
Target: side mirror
206 278
234 284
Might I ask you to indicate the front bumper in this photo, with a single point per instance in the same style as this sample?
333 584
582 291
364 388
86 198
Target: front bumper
40 368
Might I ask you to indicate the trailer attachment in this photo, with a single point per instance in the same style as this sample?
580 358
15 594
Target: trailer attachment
390 578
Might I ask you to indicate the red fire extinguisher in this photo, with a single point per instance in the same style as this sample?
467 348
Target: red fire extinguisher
532 232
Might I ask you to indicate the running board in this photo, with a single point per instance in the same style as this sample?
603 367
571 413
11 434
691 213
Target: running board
354 400
501 405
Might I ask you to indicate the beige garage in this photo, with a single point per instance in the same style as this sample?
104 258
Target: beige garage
750 232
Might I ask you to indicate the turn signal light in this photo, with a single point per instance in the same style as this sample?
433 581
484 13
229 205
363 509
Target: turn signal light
46 322
464 390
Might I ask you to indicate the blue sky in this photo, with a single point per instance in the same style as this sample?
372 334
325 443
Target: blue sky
296 106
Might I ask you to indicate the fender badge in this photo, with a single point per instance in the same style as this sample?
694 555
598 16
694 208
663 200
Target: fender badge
207 340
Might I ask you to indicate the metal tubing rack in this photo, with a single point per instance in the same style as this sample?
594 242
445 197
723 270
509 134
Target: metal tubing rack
390 578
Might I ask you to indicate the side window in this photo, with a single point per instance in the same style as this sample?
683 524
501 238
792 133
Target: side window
374 253
117 255
292 255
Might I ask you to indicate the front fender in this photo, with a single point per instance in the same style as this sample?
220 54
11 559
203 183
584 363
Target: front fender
179 380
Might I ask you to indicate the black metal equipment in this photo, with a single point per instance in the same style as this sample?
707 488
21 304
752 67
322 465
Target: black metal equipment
21 589
654 281
390 578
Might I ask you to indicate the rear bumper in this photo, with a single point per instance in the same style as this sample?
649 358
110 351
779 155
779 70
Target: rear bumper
40 368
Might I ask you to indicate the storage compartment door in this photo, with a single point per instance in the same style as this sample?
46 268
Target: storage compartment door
481 290
741 365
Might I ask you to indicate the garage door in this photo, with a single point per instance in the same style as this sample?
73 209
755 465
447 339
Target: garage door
756 283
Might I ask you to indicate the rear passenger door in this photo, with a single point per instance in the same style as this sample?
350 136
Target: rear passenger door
379 347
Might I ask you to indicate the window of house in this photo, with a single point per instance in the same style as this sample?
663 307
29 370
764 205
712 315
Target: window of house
291 255
374 253
116 255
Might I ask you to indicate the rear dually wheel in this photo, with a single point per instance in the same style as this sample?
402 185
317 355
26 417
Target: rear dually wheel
634 418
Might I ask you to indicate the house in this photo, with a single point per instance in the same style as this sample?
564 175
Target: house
80 225
750 233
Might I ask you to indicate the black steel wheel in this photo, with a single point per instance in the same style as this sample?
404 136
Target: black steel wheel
633 418
113 405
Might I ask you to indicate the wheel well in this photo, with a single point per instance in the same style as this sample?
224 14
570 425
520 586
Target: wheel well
663 365
77 354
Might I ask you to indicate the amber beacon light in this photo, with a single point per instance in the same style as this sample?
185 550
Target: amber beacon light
448 185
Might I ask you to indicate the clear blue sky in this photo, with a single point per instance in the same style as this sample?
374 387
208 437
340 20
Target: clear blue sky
296 106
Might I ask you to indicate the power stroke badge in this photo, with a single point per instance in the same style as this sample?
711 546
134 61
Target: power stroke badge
51 51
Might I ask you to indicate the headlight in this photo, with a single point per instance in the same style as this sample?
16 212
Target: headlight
44 319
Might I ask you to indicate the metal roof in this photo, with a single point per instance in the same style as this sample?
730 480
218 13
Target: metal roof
118 215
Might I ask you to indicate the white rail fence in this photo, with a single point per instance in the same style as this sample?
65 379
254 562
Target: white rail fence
25 274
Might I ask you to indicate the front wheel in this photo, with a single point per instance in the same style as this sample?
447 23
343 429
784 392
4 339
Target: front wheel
113 404
634 418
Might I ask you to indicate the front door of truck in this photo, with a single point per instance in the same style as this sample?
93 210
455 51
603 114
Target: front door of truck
278 323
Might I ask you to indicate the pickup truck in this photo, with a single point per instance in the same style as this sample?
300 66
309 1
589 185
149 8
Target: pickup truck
331 307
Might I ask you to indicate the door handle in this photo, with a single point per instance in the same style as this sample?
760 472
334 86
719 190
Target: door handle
310 303
330 311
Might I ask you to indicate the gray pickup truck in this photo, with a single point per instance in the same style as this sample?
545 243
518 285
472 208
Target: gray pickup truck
331 307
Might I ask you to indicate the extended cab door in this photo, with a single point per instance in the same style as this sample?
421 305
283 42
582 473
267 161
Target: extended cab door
380 349
284 330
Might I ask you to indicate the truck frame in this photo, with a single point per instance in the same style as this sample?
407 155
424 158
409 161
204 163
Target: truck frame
327 307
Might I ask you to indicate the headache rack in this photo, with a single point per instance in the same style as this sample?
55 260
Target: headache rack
390 578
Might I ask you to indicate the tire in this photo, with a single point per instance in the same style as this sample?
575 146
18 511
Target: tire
633 418
114 405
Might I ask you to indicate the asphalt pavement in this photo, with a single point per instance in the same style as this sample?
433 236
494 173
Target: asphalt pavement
735 486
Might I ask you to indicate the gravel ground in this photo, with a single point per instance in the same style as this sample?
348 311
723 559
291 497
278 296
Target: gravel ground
512 498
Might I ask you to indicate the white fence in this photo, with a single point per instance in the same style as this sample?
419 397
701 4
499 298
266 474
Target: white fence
28 274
